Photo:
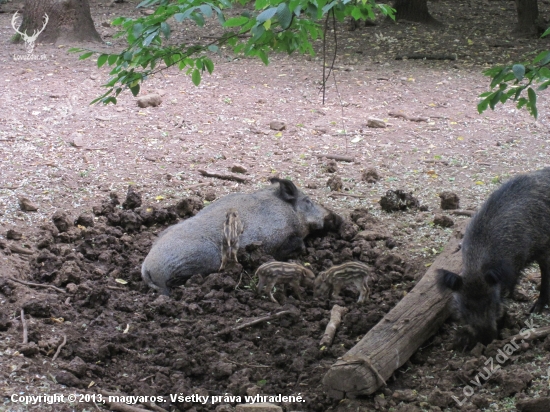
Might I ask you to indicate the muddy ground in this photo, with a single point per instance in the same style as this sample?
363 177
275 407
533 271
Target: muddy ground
67 158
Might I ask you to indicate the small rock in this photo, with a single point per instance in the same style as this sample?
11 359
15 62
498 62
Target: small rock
13 235
258 407
38 308
77 139
71 288
210 195
406 395
28 349
77 367
477 351
395 200
370 176
449 200
331 166
276 125
133 199
94 76
61 221
376 123
152 100
238 169
534 405
86 220
148 12
311 185
106 24
26 205
443 221
440 398
67 379
335 183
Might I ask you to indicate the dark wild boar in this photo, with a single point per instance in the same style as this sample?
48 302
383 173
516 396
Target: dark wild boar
280 216
510 231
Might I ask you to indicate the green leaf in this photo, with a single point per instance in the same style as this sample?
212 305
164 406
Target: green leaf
206 10
519 71
75 50
542 58
284 15
118 21
179 17
532 105
209 65
266 15
149 39
196 77
112 59
236 21
213 48
137 30
101 60
198 18
85 55
135 89
165 29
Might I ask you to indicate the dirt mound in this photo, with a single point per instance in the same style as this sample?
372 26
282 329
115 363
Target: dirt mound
123 338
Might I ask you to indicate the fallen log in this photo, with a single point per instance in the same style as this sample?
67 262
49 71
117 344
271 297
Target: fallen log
390 343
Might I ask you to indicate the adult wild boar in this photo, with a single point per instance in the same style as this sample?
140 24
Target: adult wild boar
510 231
279 216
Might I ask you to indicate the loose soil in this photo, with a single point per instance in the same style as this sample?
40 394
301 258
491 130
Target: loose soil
73 161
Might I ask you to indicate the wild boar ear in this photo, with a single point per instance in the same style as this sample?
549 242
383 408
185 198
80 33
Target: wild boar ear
448 280
287 190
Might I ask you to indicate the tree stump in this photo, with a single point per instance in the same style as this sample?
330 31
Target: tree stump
389 344
69 21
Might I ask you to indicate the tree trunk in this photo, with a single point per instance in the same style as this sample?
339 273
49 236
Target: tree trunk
390 343
69 21
413 10
528 17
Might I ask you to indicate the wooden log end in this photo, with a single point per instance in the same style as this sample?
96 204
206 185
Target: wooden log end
347 379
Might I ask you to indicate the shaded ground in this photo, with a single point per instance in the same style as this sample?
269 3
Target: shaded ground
64 155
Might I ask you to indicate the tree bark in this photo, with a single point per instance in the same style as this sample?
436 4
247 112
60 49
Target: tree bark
69 21
528 17
414 10
389 344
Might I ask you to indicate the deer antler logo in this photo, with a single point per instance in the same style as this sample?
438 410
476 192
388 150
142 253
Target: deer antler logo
29 40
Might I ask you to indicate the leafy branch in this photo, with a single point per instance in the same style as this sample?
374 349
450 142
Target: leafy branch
272 26
514 79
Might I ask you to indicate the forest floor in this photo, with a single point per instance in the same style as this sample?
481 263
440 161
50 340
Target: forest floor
64 155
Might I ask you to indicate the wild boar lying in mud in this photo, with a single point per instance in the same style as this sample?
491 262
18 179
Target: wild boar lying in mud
510 231
280 216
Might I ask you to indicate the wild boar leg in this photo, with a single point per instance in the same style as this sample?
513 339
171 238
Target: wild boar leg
336 288
542 301
296 288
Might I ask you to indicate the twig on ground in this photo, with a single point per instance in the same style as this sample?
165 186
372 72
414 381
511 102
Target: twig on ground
533 334
335 319
223 176
338 194
25 331
427 57
38 285
409 118
436 161
468 213
59 348
339 158
256 321
197 185
116 288
20 250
